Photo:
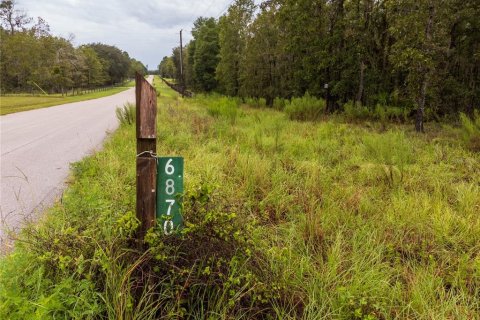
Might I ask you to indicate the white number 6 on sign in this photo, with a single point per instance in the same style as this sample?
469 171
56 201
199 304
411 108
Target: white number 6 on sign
169 169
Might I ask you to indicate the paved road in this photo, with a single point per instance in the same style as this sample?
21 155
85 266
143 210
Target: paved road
38 146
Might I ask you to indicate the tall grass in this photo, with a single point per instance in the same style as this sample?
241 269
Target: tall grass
285 220
222 107
256 102
306 108
126 115
380 113
471 130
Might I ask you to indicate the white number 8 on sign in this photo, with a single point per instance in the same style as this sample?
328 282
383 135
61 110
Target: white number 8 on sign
169 187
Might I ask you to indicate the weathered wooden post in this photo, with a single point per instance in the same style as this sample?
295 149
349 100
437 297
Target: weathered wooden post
146 114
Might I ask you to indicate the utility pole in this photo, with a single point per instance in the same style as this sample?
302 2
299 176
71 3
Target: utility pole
182 82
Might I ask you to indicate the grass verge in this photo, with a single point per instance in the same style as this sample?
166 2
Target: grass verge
286 220
17 103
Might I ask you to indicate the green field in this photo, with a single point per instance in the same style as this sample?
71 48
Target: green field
284 220
18 103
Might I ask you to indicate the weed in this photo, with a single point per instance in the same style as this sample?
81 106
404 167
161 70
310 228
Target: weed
306 108
471 130
256 102
223 107
279 104
356 112
283 219
126 115
381 113
390 150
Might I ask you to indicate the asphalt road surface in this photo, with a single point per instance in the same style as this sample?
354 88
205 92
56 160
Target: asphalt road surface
37 148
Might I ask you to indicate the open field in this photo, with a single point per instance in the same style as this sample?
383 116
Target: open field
285 220
18 103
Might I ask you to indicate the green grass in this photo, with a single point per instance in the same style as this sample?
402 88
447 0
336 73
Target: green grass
342 221
130 83
17 103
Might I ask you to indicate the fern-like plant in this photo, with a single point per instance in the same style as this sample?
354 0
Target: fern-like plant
471 130
126 114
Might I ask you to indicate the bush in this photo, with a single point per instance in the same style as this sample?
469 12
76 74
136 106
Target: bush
127 114
35 294
213 266
306 108
223 107
87 266
391 150
381 113
384 113
279 104
471 130
356 112
256 102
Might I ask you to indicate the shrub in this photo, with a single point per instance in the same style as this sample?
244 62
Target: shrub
381 113
262 103
212 266
251 102
356 112
223 107
279 104
306 108
471 130
126 115
87 267
384 113
392 150
32 294
256 102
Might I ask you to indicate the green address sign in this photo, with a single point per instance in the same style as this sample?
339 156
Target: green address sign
169 191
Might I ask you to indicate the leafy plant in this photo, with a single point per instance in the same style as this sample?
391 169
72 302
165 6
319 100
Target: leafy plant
126 114
279 103
391 150
283 220
223 107
360 307
256 102
356 112
306 108
212 264
471 130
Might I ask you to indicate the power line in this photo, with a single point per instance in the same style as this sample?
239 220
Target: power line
224 9
211 4
208 8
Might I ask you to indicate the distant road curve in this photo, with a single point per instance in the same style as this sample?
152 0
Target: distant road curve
38 146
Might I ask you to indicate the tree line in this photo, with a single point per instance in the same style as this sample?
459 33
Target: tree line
418 54
32 59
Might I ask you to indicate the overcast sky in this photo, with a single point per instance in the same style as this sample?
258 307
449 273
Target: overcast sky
146 29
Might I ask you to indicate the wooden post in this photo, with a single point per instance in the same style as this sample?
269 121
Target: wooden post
146 113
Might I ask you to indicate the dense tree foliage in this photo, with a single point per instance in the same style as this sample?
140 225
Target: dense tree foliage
420 55
117 62
166 68
232 42
204 54
33 59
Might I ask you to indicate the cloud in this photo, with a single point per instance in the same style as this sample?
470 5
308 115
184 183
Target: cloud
147 30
